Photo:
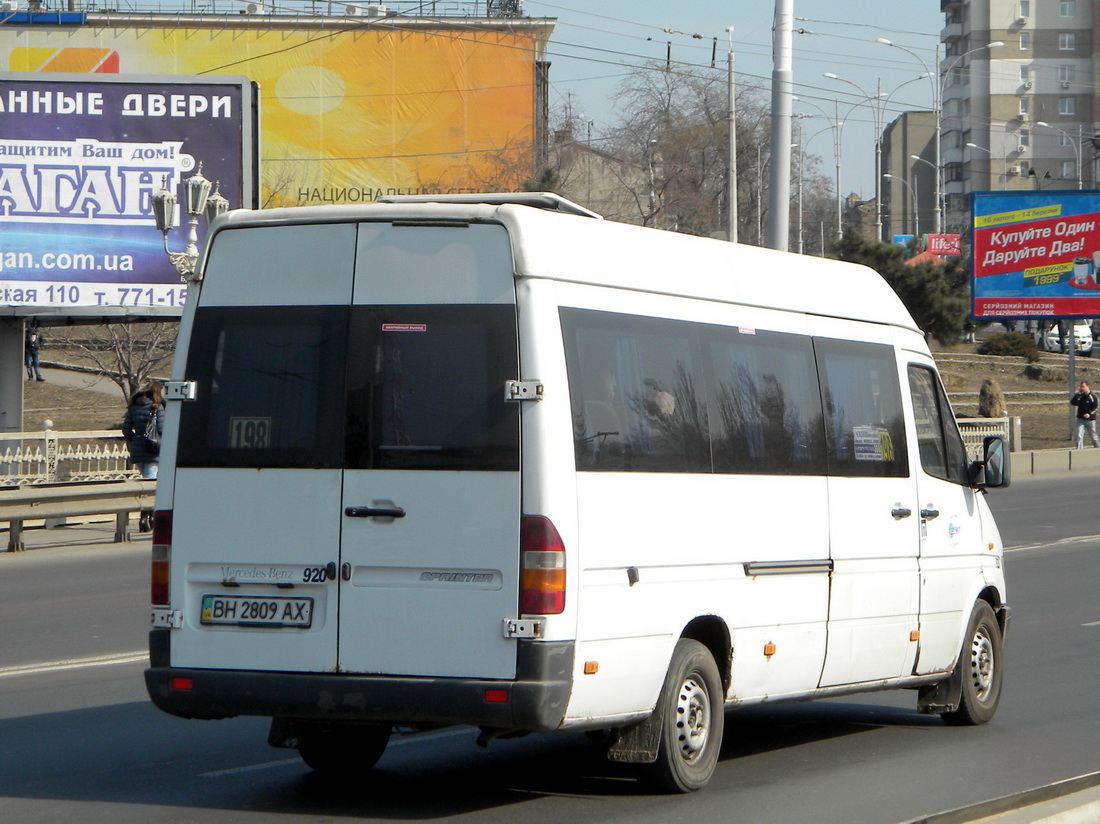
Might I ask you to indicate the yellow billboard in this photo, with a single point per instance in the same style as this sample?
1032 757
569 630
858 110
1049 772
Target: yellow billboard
350 109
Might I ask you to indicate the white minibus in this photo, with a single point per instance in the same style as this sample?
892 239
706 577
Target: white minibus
491 460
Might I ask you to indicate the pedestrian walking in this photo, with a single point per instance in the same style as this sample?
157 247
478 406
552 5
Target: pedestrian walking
1086 404
142 426
32 343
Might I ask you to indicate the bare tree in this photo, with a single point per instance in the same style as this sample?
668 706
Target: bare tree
127 354
672 144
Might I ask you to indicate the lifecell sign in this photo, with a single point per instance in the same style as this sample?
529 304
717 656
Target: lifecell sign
80 159
1036 255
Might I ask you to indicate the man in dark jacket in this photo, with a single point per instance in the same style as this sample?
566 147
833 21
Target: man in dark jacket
1087 405
32 342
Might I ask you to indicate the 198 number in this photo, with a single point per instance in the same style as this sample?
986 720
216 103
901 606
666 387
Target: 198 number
250 433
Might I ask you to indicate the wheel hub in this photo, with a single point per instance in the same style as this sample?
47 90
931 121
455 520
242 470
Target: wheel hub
692 718
981 664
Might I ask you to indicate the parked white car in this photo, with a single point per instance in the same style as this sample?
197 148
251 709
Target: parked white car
1047 339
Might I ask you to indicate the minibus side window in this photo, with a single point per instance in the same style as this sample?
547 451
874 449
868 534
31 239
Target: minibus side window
639 402
942 453
767 417
864 422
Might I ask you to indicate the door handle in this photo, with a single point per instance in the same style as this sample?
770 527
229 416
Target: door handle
374 512
929 514
900 512
345 572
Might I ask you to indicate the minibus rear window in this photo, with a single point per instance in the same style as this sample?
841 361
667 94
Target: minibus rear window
269 384
408 387
426 388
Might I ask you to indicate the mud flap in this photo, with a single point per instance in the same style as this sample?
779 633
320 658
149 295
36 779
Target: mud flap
943 696
638 743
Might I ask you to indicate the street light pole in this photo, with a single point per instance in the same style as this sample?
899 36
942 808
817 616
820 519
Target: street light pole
1004 163
879 99
838 128
731 183
199 202
938 79
779 192
1076 149
913 196
936 170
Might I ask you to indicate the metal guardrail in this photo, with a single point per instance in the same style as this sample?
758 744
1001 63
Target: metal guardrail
120 498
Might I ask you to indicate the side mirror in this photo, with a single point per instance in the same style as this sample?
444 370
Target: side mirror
995 465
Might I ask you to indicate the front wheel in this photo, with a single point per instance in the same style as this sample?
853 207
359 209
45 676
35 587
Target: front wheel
981 668
692 705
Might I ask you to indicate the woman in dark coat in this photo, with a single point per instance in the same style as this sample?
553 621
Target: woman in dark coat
144 405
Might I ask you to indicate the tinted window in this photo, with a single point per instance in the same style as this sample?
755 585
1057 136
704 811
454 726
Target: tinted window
269 388
942 453
638 399
767 407
422 388
426 388
864 425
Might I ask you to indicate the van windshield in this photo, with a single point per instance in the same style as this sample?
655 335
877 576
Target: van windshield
366 387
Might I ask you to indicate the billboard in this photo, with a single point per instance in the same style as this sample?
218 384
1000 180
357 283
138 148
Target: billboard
351 108
81 156
1036 255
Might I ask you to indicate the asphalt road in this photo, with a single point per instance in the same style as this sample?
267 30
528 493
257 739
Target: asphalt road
80 741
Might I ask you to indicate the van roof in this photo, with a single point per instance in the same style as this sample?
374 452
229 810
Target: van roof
555 239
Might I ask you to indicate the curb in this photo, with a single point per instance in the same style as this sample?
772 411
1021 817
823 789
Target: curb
1073 801
1055 461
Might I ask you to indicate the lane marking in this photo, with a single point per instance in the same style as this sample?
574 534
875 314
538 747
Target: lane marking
1092 624
1061 542
253 768
74 664
412 738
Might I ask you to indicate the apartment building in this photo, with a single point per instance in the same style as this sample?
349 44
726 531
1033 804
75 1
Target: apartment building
1018 99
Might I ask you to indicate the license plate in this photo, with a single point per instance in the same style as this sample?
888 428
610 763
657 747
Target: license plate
252 611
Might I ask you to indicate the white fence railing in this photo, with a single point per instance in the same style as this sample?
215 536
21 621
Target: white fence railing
975 430
46 457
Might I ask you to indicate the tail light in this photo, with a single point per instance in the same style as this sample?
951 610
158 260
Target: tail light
542 567
162 546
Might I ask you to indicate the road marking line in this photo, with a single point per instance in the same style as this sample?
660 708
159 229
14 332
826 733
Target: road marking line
252 768
1062 542
74 664
411 738
1092 624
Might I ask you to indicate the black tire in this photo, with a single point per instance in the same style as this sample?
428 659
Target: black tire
980 668
691 729
342 750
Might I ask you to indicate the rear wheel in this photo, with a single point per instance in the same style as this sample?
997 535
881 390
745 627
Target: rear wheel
692 723
981 668
342 750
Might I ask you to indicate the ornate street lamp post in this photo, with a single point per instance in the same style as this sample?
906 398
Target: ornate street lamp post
199 202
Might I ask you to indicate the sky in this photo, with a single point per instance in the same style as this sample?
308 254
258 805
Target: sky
595 45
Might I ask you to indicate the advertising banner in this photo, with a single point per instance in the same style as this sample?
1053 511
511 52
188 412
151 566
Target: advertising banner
1036 255
80 158
944 245
351 108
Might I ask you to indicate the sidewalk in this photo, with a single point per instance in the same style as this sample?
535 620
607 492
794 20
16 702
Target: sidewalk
1055 461
1074 801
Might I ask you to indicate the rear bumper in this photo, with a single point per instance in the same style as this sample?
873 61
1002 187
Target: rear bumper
536 700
